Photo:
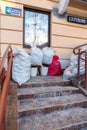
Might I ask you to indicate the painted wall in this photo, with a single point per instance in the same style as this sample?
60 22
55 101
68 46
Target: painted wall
64 35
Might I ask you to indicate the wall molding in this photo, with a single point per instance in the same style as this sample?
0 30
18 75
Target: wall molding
69 36
56 1
12 2
17 44
11 16
6 29
70 25
62 47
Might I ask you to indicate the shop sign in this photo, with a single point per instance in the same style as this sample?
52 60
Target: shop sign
78 20
13 11
84 0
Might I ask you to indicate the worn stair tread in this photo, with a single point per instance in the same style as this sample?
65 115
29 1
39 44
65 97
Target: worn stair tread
71 119
60 102
38 90
45 80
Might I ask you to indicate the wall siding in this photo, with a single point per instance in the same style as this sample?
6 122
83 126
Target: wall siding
64 35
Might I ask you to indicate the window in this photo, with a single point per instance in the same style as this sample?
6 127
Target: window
36 28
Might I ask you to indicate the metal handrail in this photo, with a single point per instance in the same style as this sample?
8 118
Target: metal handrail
77 50
83 56
5 80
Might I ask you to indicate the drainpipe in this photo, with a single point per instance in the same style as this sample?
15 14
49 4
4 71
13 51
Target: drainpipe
62 6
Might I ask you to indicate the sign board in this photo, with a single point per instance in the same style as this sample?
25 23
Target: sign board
84 0
13 11
78 20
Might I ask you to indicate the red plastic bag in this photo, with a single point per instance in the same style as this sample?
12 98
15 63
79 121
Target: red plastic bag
55 67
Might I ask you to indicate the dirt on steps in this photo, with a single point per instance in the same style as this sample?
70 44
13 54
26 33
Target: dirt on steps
70 119
50 103
46 105
47 91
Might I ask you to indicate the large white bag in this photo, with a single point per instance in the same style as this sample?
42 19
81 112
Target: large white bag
21 66
36 55
48 53
72 70
74 60
69 73
74 63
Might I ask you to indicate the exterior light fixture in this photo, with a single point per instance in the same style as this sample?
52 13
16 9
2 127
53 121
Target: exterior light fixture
62 6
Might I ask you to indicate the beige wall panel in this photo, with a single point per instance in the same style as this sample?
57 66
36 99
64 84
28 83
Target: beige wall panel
11 23
15 46
54 0
63 53
4 46
69 31
21 1
15 1
38 3
44 4
66 41
11 37
76 11
60 20
78 4
3 4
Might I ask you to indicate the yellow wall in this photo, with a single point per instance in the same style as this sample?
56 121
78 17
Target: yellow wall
64 35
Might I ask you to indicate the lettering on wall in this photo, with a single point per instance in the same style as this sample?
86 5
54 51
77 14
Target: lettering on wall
78 20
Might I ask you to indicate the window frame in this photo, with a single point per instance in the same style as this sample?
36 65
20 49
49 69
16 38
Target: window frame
38 11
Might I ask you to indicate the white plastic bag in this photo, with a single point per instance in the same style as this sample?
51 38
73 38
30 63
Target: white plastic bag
74 60
64 63
44 70
74 64
69 73
18 51
21 66
48 53
36 55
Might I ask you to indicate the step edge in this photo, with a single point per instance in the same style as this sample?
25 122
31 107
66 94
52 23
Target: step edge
74 124
43 83
57 97
48 92
50 106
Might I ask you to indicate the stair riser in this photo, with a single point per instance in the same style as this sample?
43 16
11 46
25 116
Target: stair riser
49 94
53 108
45 84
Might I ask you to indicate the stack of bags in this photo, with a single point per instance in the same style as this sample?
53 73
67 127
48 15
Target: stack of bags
21 68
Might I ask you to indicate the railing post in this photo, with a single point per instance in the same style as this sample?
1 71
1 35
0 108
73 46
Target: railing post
79 63
86 71
9 55
4 82
2 77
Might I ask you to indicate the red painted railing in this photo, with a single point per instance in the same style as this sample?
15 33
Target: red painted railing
4 83
78 51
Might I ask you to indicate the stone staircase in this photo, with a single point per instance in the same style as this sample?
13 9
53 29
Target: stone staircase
50 103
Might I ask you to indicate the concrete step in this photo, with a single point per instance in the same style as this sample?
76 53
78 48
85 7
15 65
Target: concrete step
69 119
47 91
46 105
40 81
